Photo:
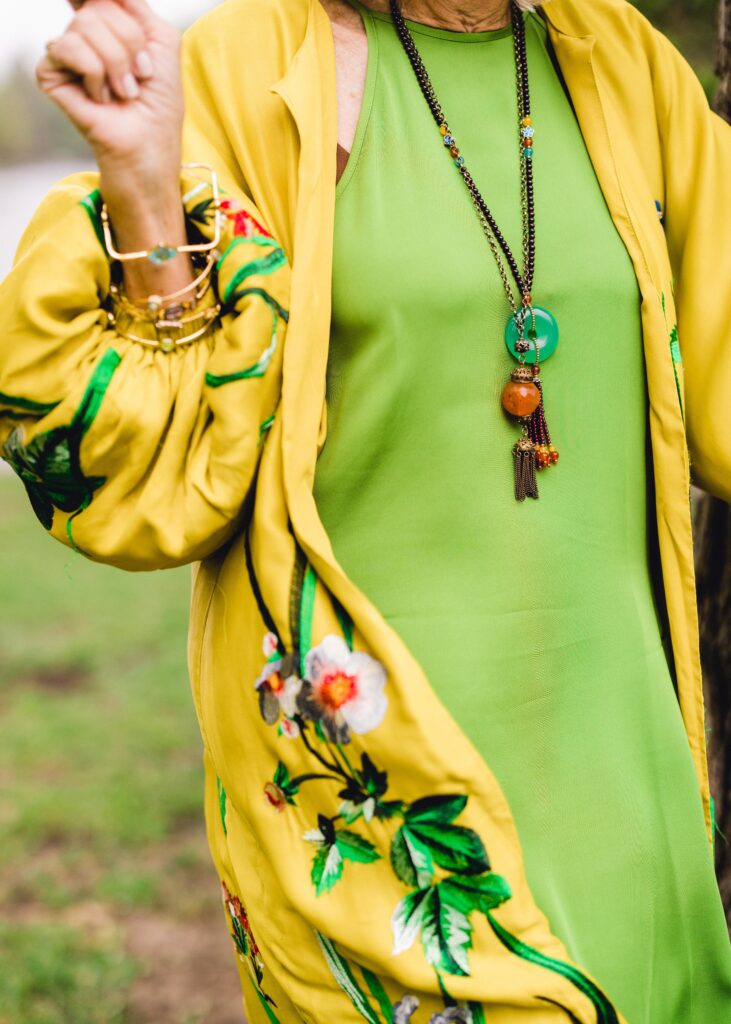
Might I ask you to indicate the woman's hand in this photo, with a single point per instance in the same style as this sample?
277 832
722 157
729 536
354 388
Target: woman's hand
115 73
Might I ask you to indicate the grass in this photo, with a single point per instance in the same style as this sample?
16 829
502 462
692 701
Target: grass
100 781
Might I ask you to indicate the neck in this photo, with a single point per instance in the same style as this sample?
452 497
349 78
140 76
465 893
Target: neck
453 15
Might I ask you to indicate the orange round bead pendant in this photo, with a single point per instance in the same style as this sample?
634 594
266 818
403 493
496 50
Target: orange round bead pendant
520 396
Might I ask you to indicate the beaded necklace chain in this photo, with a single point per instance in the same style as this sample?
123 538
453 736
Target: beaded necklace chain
522 396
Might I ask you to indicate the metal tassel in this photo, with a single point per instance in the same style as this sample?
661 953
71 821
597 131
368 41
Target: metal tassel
524 462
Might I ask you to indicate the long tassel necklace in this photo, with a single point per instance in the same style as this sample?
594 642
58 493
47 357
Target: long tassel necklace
531 333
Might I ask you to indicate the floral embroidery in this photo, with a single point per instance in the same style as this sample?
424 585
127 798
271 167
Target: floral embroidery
278 685
282 790
444 865
343 690
247 949
244 224
384 1012
50 465
222 804
675 353
335 846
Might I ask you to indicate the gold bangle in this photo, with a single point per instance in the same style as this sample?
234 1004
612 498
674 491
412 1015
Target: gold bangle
165 342
162 253
155 305
166 334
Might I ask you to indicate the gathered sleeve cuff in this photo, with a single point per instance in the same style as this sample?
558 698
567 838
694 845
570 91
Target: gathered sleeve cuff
134 455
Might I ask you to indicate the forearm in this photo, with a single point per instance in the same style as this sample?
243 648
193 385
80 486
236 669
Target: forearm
141 219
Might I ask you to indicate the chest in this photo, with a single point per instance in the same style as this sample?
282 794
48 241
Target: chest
351 62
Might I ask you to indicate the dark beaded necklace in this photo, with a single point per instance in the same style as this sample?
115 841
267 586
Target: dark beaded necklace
522 396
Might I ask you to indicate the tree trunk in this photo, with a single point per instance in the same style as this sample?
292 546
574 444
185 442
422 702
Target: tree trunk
713 564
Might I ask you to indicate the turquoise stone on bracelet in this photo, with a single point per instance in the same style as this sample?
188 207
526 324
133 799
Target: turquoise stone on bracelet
544 337
162 254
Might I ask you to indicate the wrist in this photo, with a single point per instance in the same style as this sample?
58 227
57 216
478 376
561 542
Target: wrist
142 220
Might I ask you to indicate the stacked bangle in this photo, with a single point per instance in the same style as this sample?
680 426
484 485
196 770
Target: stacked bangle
168 322
174 328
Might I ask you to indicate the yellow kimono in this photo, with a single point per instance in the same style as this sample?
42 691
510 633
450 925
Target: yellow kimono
368 858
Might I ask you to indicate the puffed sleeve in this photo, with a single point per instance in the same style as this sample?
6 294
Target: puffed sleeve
696 146
130 454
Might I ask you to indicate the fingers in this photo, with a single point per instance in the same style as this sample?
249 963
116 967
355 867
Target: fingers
106 47
71 54
119 42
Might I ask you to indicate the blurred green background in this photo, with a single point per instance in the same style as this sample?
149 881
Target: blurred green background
109 908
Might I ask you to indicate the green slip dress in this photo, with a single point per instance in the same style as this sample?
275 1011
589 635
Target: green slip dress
536 623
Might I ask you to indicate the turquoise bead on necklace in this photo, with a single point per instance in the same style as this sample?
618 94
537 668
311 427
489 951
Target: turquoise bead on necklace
541 333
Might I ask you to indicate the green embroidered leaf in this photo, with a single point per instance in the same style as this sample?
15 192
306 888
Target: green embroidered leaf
49 466
410 858
675 346
199 213
605 1011
379 993
452 847
283 781
259 267
389 808
478 1013
327 868
476 892
446 934
407 919
28 405
222 799
340 970
433 810
92 203
240 938
354 847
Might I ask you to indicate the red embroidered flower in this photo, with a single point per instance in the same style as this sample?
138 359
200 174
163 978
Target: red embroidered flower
275 796
244 224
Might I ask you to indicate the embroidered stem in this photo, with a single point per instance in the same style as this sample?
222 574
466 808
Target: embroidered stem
605 1012
316 753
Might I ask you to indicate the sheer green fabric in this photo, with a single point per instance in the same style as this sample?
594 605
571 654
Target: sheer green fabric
536 623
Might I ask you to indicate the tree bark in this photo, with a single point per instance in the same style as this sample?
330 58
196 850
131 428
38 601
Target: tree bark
712 524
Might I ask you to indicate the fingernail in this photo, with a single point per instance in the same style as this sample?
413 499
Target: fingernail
143 65
106 94
130 88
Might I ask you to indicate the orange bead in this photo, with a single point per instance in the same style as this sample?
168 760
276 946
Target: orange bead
520 398
454 151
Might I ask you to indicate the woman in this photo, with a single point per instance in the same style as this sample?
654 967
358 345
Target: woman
465 779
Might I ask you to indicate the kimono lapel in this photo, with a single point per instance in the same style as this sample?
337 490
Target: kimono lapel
631 205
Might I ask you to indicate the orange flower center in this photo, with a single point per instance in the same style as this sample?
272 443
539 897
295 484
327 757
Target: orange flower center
276 683
336 689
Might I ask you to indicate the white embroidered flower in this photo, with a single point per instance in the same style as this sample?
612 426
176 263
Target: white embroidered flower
277 694
344 687
288 727
270 646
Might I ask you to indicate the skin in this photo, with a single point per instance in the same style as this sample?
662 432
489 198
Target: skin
115 73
